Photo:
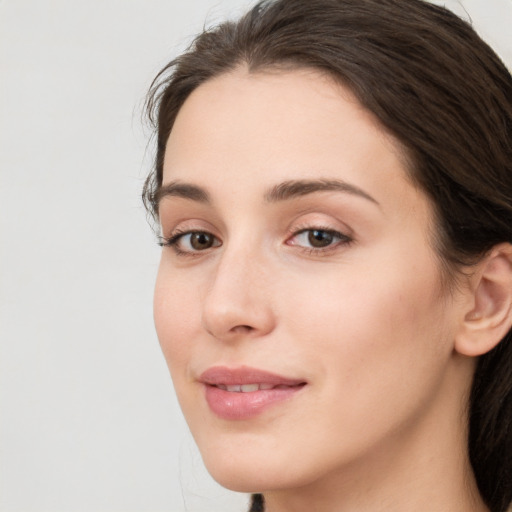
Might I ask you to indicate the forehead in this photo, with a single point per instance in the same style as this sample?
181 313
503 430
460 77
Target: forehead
273 126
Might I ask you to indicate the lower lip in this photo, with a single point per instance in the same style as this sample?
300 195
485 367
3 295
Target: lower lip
242 406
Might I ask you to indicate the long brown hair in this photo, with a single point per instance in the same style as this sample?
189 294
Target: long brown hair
443 93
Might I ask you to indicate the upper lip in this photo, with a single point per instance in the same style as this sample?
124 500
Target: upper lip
222 375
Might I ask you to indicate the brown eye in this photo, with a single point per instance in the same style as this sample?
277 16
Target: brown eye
200 241
320 238
191 242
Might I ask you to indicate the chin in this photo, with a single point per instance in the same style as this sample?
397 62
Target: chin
257 470
246 472
240 483
240 474
247 480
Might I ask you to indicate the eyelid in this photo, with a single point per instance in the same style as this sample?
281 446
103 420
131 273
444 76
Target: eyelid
177 235
338 234
344 235
319 222
171 228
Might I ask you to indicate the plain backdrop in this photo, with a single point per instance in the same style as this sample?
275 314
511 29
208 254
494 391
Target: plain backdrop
88 418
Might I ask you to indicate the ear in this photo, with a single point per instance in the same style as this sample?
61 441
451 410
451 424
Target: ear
490 315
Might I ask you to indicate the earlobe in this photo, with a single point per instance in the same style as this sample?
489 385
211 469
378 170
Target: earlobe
490 317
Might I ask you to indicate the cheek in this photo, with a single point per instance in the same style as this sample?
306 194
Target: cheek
379 335
376 297
177 317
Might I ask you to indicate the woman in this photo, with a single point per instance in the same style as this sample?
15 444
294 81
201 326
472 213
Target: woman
333 183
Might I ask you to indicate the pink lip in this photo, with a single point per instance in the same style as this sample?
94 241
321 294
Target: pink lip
237 405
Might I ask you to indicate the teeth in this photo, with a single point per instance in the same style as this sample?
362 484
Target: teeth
248 388
245 388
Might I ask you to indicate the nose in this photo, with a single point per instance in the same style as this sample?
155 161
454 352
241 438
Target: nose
238 301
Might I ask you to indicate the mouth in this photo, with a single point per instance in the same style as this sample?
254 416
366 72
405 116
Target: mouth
251 388
244 393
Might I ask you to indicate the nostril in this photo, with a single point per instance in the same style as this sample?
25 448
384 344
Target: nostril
242 328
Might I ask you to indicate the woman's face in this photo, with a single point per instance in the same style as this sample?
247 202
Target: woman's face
298 301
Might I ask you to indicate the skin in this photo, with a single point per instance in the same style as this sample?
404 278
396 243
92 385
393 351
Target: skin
366 321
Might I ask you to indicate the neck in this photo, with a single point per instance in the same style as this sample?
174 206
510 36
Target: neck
422 467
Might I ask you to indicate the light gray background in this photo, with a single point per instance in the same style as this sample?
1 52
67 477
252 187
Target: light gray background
88 420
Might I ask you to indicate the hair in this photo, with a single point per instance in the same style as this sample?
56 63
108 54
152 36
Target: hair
443 93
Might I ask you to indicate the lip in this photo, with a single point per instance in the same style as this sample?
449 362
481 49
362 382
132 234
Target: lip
238 405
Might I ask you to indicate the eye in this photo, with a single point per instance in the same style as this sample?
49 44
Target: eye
191 241
318 239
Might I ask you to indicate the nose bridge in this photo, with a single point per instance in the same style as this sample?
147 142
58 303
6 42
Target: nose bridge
237 299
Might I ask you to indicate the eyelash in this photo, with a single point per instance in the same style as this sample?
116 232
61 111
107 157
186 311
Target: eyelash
343 240
175 237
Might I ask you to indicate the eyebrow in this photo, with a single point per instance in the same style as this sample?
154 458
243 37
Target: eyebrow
297 188
281 192
183 190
